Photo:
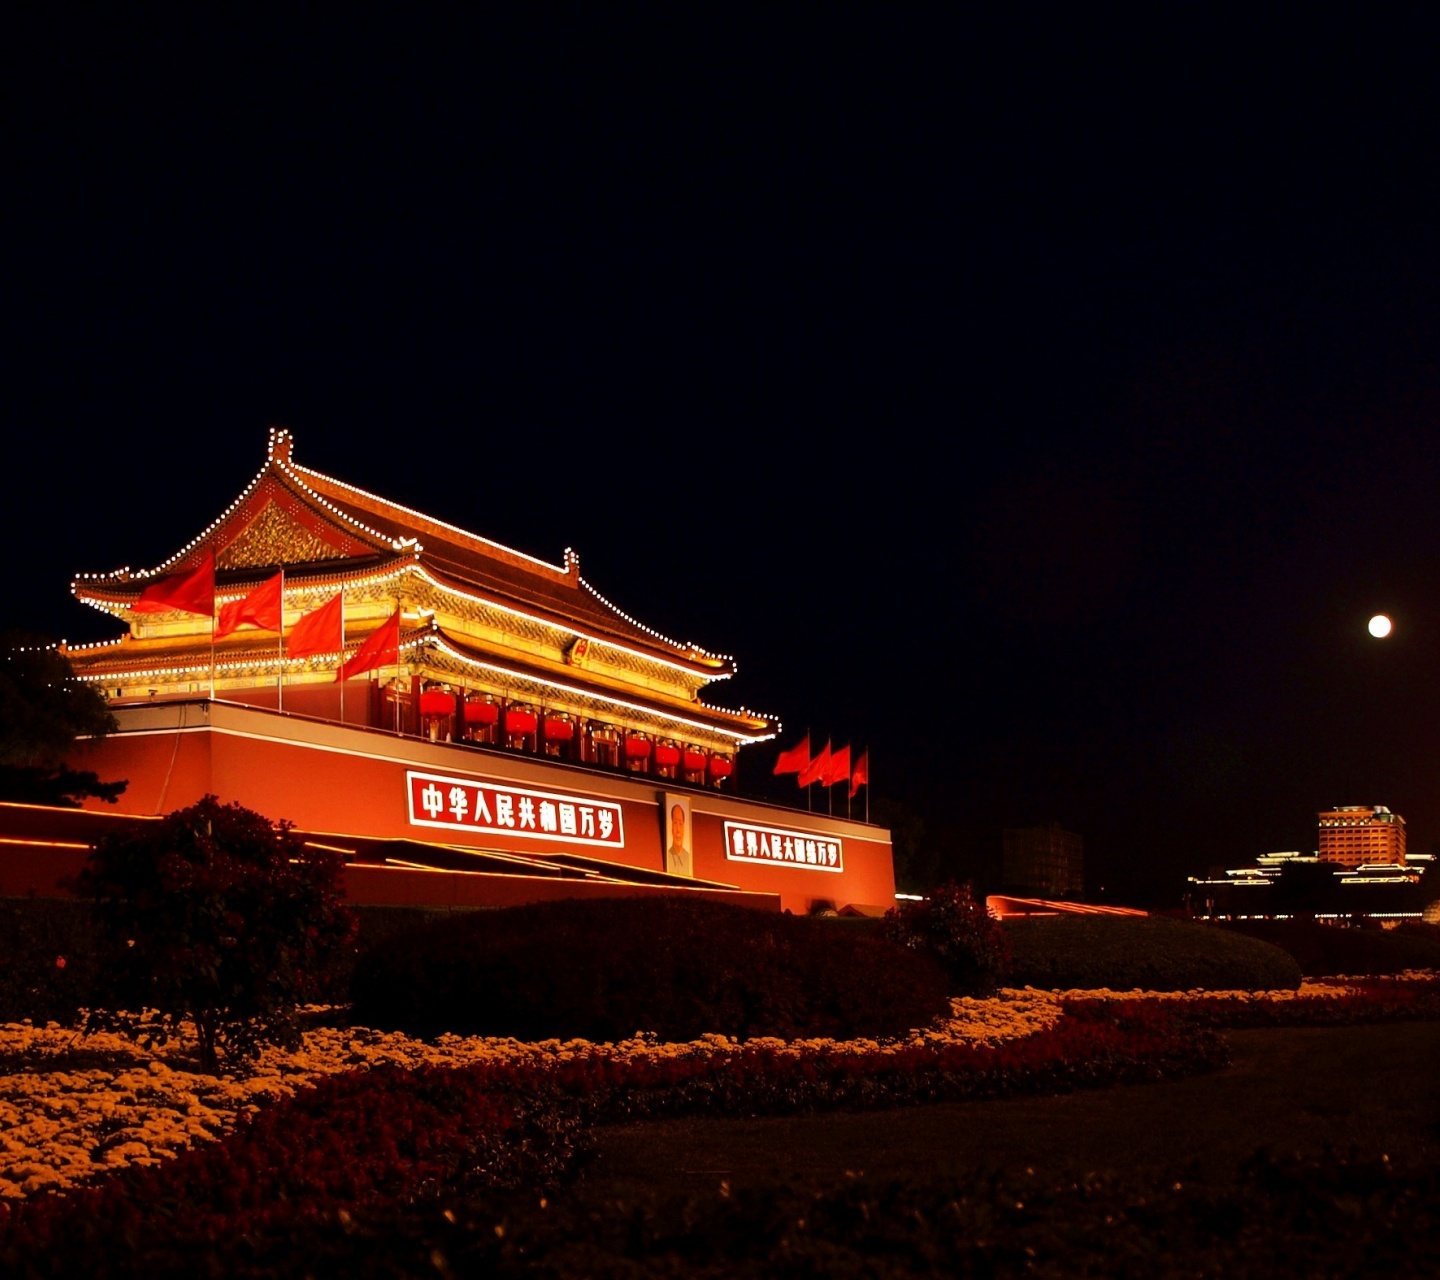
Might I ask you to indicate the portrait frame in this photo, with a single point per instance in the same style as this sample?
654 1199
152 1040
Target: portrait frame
677 835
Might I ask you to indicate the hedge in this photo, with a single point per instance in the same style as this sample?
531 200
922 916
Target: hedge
1323 950
1153 953
604 970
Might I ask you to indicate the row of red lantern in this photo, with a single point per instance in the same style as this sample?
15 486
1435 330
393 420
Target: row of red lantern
521 722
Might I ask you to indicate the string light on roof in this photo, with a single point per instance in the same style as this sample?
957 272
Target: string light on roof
674 644
273 463
204 536
389 577
293 474
313 588
465 660
447 588
410 646
98 644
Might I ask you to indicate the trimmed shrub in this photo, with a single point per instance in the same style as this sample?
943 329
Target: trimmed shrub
1151 953
605 970
957 930
218 915
1324 949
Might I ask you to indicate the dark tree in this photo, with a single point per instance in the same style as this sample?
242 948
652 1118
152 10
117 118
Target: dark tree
44 708
219 915
954 926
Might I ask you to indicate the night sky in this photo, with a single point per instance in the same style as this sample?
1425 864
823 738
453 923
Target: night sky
1045 406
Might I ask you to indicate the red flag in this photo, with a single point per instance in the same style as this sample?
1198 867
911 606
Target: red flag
261 608
815 770
382 649
192 592
838 770
861 775
321 630
797 758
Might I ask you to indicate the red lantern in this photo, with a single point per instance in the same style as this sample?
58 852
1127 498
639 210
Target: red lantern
518 721
557 730
637 748
436 702
478 711
720 767
667 755
692 760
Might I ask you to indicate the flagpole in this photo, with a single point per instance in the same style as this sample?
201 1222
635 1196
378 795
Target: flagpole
341 672
280 648
212 624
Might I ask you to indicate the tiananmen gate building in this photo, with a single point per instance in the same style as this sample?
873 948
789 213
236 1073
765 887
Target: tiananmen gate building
505 733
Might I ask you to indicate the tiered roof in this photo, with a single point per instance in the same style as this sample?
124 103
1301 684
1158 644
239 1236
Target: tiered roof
470 606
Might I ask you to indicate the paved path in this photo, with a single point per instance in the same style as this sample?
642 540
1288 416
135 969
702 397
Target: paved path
1292 1090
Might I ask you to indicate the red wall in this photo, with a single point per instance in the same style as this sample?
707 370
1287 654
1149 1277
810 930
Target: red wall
332 778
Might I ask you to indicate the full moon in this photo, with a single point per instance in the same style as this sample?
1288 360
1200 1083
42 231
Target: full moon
1379 626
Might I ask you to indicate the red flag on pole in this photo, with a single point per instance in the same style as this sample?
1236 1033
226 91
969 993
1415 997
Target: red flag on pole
192 592
382 649
261 608
796 759
319 631
838 770
815 770
860 777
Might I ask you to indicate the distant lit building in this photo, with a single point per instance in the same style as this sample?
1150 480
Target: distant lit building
1357 835
1282 885
1048 861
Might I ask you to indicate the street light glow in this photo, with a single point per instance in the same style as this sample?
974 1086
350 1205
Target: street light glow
1379 626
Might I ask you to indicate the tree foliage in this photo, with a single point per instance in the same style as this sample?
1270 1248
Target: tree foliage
216 914
44 707
958 931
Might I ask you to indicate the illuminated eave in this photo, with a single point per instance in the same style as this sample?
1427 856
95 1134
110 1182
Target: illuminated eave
412 648
740 739
567 625
123 610
310 584
650 630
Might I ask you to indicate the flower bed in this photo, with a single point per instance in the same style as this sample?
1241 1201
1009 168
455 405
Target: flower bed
72 1109
417 1120
1334 1002
360 1139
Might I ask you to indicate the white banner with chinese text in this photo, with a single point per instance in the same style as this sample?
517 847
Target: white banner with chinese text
496 809
745 842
